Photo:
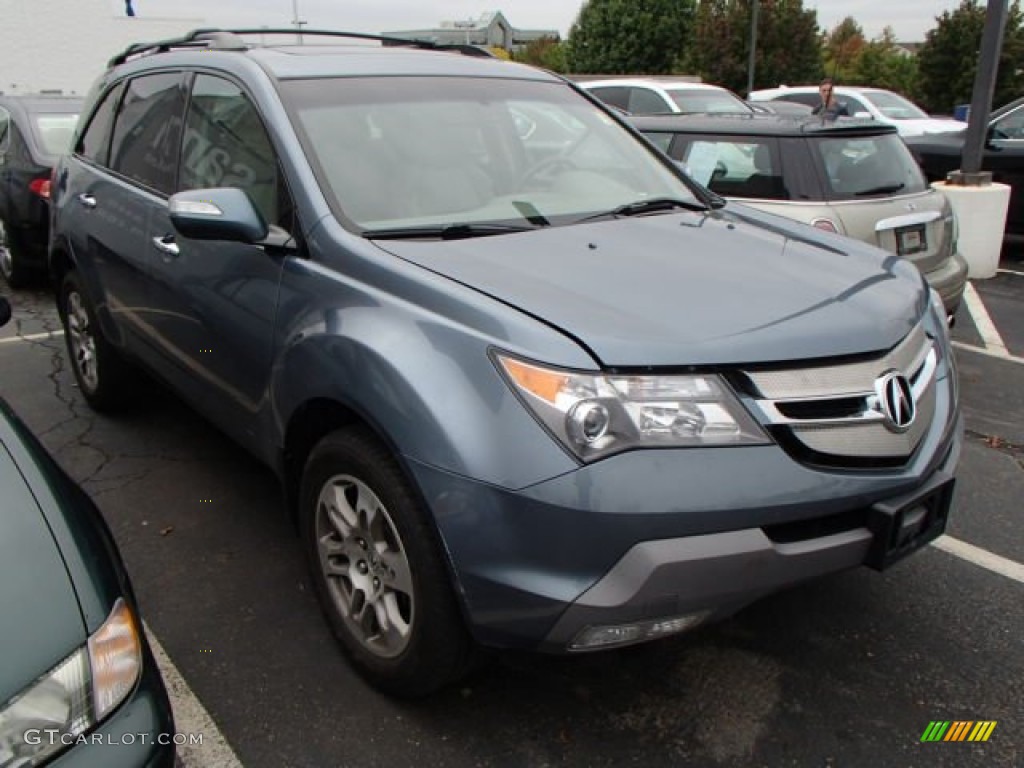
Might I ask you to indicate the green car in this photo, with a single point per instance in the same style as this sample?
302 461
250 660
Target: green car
78 682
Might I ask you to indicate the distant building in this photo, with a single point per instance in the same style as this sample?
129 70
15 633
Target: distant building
491 29
907 50
65 44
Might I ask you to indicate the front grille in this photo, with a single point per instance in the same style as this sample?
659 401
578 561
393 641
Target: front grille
835 414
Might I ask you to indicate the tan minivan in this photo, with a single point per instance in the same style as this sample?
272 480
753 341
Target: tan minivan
853 177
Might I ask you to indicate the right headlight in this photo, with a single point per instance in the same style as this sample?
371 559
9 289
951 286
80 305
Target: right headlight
73 696
595 414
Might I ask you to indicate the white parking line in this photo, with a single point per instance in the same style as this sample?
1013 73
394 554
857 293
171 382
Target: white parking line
989 352
32 337
982 557
989 334
190 717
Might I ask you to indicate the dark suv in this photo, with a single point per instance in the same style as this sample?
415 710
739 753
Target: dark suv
34 131
524 383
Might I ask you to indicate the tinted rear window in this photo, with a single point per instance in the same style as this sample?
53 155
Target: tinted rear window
55 132
860 167
701 100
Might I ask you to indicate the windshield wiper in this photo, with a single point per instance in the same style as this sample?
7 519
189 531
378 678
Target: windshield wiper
881 190
446 232
650 205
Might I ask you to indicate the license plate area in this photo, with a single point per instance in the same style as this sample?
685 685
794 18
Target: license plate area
902 526
911 240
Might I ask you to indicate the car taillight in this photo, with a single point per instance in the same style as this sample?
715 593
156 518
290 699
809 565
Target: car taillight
41 187
826 224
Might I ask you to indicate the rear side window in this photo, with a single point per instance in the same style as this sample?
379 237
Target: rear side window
643 101
808 99
226 145
862 167
746 167
147 131
615 95
95 141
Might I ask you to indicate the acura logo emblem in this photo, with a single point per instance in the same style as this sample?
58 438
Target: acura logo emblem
896 401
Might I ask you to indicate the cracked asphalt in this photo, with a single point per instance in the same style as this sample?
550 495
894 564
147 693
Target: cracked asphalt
847 671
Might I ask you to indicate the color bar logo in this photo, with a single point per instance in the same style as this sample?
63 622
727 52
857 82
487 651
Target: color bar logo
958 730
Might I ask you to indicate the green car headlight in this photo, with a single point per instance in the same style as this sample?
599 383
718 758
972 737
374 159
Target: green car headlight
75 695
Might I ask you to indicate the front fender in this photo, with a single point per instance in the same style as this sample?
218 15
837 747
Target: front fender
424 380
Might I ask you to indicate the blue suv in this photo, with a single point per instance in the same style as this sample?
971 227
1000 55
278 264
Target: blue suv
524 383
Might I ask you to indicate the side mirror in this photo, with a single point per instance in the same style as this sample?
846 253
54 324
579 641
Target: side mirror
5 310
221 213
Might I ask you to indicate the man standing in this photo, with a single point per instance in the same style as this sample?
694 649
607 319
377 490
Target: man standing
830 107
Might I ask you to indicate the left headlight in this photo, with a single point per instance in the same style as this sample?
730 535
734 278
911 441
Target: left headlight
595 415
75 695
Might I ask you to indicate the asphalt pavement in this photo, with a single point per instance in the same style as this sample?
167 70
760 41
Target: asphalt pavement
846 671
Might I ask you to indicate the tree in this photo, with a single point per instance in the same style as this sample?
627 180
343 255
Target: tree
546 52
788 49
948 60
629 36
841 48
881 63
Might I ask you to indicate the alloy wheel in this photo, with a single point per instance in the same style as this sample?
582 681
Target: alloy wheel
83 342
365 566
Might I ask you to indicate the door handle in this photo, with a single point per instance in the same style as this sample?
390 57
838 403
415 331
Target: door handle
167 245
89 201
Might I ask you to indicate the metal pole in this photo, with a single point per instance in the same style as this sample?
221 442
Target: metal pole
295 20
981 100
753 46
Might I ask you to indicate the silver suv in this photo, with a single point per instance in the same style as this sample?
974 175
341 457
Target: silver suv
852 177
524 383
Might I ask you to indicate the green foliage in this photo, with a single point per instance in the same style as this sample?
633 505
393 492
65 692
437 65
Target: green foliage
881 64
629 36
547 52
948 60
788 49
841 48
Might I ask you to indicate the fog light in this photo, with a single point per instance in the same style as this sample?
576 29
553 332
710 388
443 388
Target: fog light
613 635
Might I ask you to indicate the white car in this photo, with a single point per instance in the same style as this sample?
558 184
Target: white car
877 103
660 96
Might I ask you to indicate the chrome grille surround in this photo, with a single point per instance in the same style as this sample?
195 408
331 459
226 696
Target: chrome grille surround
848 420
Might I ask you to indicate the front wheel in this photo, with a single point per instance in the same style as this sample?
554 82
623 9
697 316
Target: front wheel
376 567
103 377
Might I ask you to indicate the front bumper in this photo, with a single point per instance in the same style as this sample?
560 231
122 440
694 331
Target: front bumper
650 535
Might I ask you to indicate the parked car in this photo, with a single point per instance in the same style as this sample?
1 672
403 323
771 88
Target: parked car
875 103
78 686
853 177
1003 156
522 390
34 130
654 96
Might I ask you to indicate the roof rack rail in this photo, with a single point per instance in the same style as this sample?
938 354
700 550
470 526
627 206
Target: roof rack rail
231 40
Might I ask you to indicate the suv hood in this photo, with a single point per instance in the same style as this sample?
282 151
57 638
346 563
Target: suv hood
733 286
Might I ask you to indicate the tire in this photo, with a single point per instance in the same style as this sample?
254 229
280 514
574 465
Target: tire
104 378
376 568
12 258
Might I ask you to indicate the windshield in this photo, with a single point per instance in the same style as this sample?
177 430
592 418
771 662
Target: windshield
437 151
55 131
863 167
694 100
894 106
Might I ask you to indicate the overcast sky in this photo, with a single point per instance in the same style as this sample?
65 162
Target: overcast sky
910 19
